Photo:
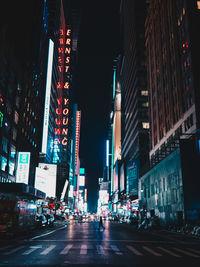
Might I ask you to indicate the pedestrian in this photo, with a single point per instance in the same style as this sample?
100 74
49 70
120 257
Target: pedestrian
101 223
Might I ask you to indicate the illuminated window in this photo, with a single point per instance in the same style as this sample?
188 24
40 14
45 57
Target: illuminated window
3 163
145 125
11 168
16 117
12 151
144 93
198 4
14 134
145 104
5 144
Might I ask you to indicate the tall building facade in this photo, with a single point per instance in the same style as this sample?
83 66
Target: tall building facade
58 60
134 95
116 135
19 96
168 189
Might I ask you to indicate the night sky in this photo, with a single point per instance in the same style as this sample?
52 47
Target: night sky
98 46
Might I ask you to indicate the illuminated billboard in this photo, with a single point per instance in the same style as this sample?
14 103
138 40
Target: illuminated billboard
23 165
47 97
45 178
81 180
132 176
122 180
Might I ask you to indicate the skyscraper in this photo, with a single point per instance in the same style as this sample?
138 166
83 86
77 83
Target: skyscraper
168 189
134 94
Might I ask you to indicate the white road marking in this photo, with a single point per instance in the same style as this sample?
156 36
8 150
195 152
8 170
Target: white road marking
83 249
31 250
38 236
47 250
169 252
187 253
116 250
66 249
135 251
152 251
106 240
13 250
100 249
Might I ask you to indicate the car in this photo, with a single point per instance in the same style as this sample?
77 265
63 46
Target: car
41 220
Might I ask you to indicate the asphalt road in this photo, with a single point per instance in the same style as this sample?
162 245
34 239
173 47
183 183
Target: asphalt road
83 243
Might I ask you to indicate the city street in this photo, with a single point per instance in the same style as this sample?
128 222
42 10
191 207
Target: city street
82 243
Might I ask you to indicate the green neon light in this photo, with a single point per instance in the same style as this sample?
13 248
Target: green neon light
1 119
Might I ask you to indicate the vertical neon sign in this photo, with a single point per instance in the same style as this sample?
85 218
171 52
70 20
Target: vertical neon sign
107 153
78 124
62 111
47 97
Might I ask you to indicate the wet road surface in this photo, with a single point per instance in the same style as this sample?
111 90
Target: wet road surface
83 243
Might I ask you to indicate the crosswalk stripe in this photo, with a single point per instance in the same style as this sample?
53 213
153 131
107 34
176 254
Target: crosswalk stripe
83 249
116 250
100 249
187 253
169 252
194 250
13 250
29 251
135 251
47 250
66 249
152 251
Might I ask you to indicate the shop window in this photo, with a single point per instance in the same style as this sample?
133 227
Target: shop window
11 168
3 163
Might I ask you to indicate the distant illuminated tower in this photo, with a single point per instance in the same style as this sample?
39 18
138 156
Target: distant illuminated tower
75 161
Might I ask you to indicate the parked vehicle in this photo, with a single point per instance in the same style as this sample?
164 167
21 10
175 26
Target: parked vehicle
17 215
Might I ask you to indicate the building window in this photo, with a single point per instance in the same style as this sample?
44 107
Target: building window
14 134
3 163
145 125
5 144
145 104
198 4
144 93
16 117
11 168
12 151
